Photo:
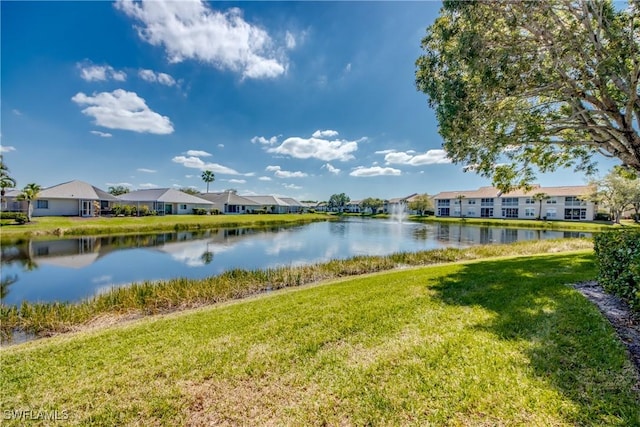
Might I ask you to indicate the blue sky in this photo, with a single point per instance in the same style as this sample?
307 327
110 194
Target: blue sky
295 99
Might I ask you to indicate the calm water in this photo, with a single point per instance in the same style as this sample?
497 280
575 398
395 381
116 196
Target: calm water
74 269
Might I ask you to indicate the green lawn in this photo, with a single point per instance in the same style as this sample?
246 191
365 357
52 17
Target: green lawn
494 342
58 226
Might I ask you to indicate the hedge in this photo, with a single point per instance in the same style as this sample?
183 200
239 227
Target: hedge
618 254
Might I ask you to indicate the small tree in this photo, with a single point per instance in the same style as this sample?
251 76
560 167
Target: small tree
96 208
460 197
372 203
421 204
118 190
615 191
29 193
208 177
338 201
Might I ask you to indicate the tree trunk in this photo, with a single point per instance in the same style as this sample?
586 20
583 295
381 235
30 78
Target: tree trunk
29 210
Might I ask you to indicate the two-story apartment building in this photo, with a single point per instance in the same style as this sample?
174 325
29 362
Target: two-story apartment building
552 203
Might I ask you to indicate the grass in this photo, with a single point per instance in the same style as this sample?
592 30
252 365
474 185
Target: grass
151 297
60 226
493 342
588 226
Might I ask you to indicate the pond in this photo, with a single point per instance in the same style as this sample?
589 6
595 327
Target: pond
75 269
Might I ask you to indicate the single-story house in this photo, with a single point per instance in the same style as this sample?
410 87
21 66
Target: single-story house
228 202
165 201
563 203
73 198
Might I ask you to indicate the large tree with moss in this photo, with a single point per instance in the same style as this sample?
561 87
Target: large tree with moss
526 86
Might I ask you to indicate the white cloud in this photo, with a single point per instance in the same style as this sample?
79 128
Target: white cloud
146 170
98 73
279 173
16 112
7 148
324 133
147 185
385 151
123 110
197 153
290 40
237 181
348 67
316 147
118 184
410 158
192 30
264 141
361 171
331 169
292 187
220 145
154 77
265 178
197 163
102 134
189 176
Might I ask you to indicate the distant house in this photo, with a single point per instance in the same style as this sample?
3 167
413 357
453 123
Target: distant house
271 204
165 201
392 205
563 203
228 202
73 198
354 206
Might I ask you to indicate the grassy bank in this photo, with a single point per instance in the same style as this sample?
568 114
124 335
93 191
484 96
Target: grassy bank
75 226
523 223
148 298
495 342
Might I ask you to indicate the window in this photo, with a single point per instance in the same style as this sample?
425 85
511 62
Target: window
183 207
510 212
456 212
551 213
486 202
444 202
472 201
575 214
529 212
552 201
42 204
486 212
510 201
471 212
574 201
443 211
529 201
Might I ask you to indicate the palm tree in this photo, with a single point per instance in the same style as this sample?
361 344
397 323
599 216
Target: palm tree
29 193
208 176
539 197
460 197
5 180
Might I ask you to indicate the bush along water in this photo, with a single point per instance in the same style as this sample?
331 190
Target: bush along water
618 254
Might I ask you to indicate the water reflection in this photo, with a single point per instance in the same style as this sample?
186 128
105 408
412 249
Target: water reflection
73 269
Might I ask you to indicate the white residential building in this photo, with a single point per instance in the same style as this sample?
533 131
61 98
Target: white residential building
558 203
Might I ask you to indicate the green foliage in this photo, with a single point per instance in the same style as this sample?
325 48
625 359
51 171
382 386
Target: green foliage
338 201
208 177
118 190
618 255
199 211
191 191
9 215
524 86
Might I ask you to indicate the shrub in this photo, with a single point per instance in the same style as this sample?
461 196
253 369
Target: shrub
214 211
144 210
618 254
21 219
199 211
602 216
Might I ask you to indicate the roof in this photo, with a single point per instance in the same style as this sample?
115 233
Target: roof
75 190
402 199
490 192
227 198
268 200
167 195
292 202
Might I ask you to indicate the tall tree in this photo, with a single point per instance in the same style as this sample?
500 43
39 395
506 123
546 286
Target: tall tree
29 193
338 201
459 198
117 190
421 203
521 85
208 177
6 181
